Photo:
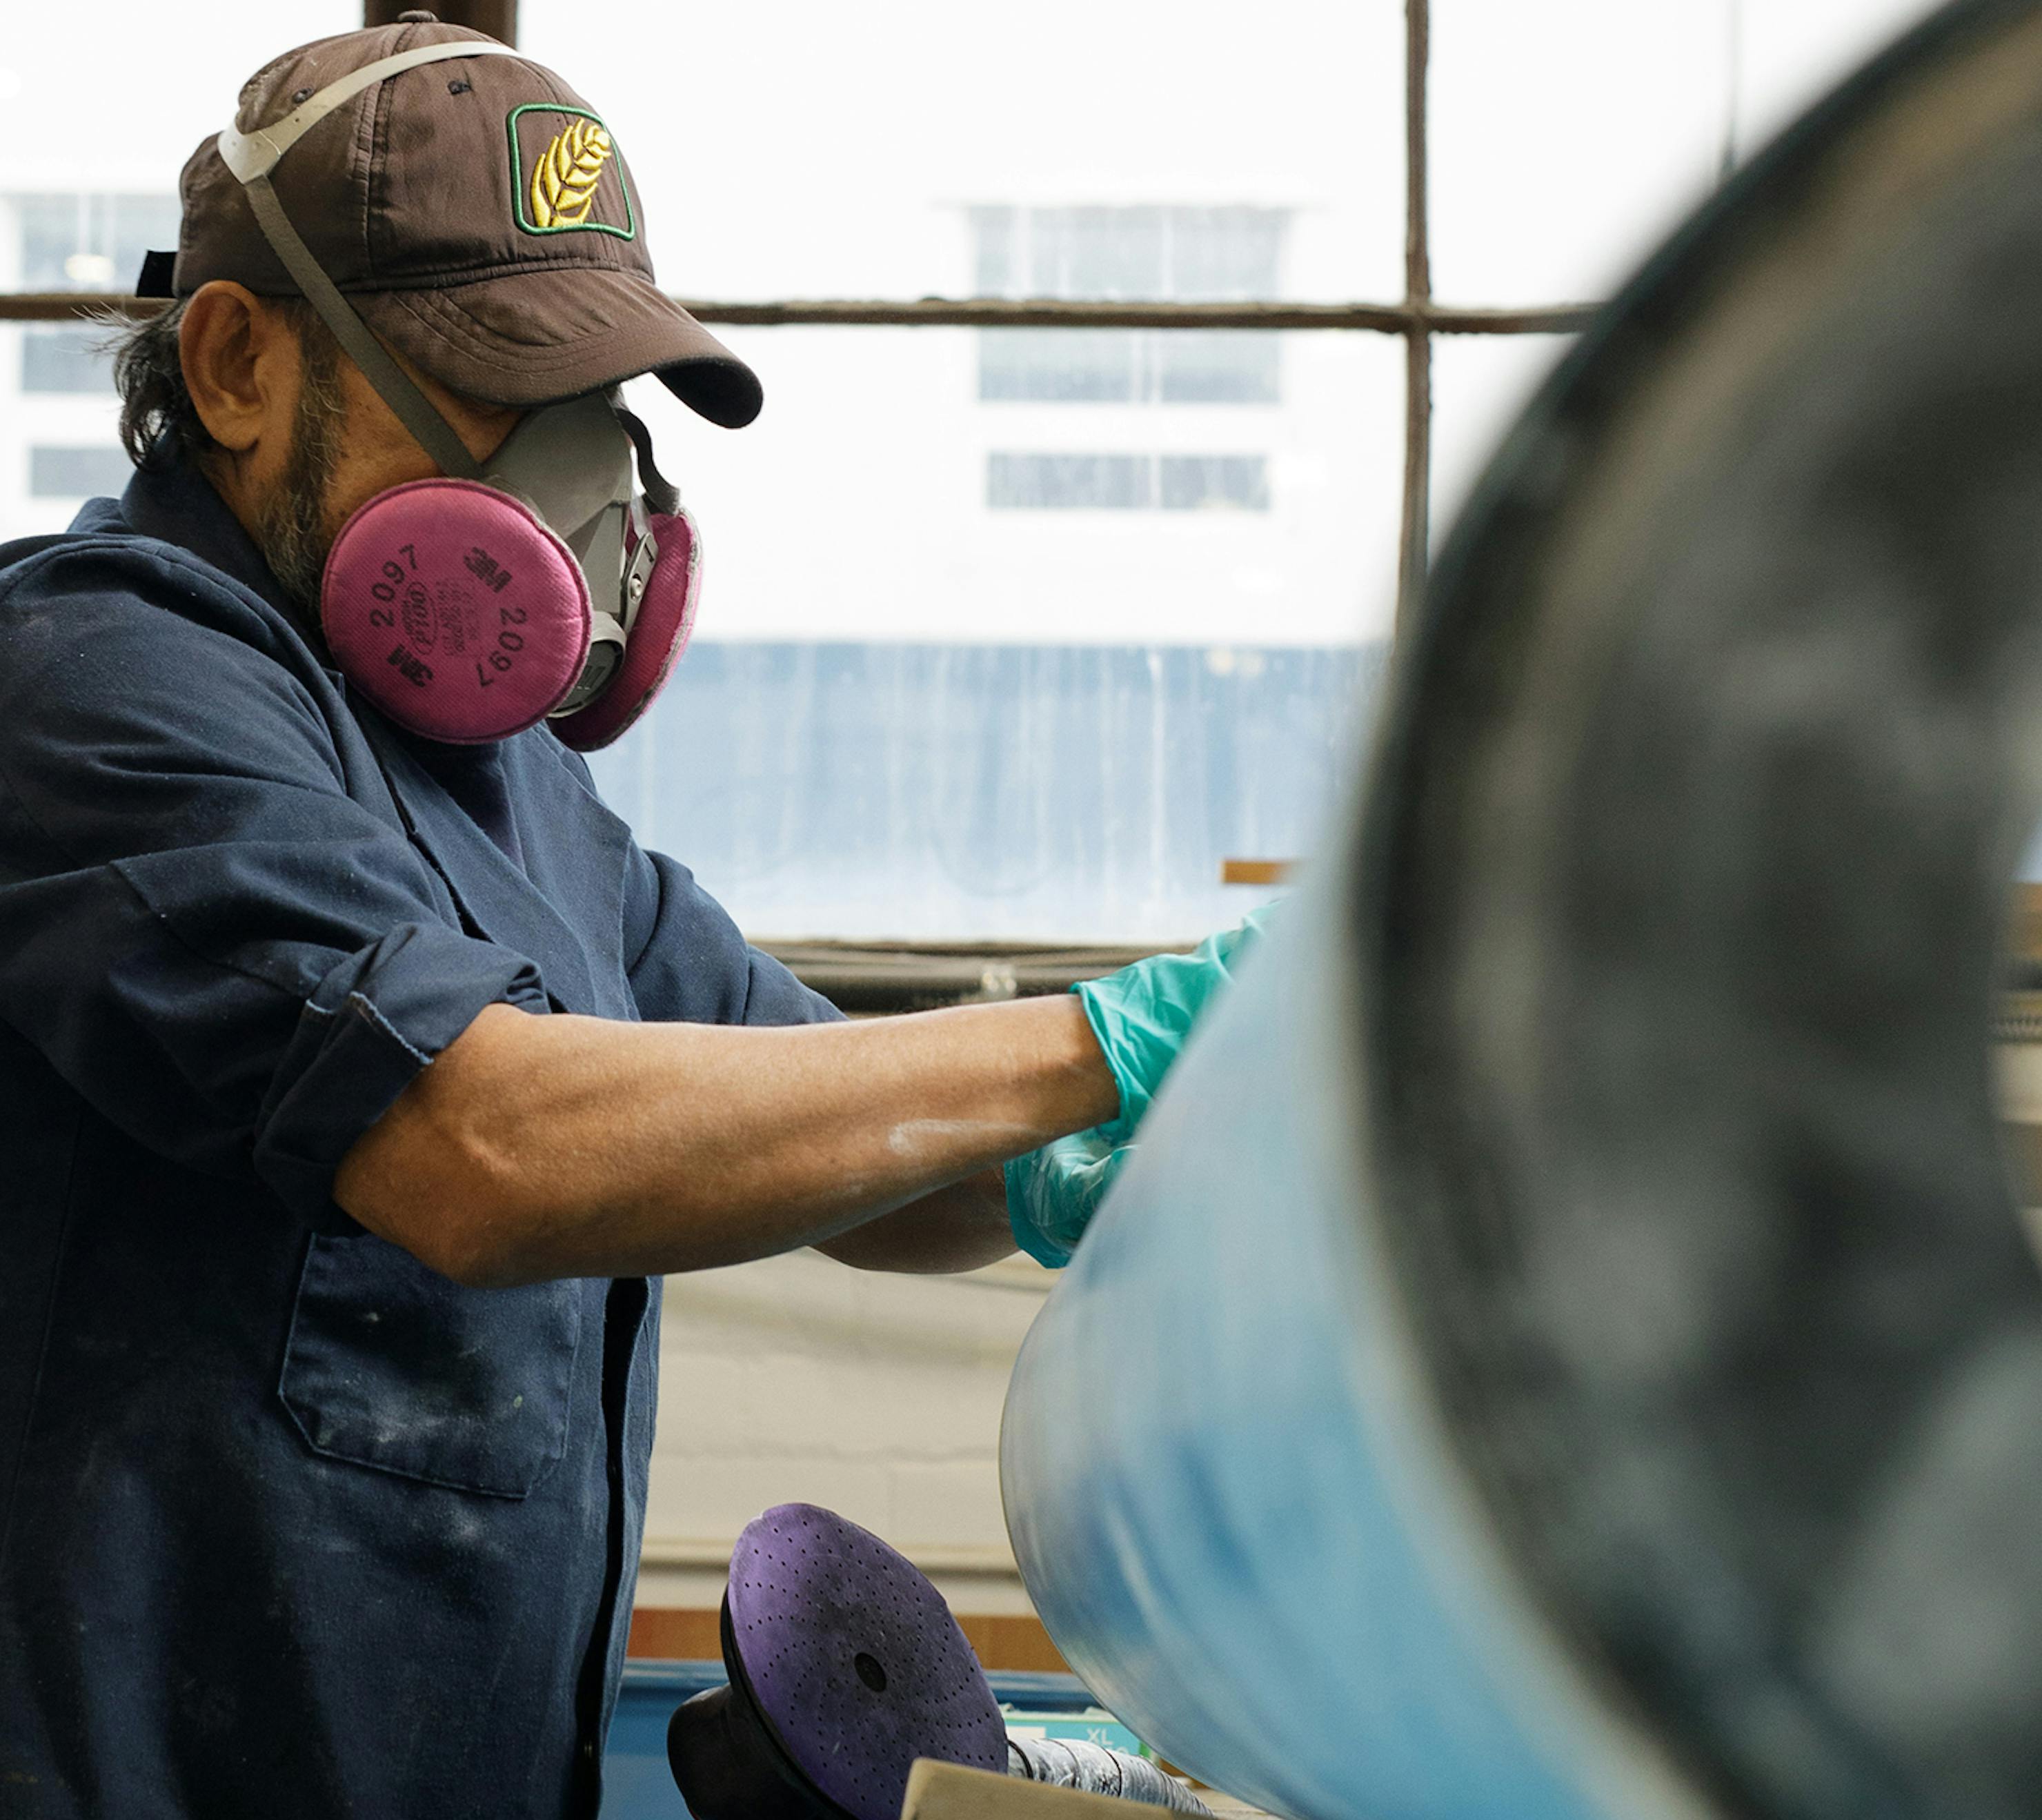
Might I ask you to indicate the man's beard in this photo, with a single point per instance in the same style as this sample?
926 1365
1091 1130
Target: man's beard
290 527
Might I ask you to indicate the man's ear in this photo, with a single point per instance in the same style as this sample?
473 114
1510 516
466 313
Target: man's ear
241 366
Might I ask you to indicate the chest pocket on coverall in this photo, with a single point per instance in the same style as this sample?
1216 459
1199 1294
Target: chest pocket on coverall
392 1366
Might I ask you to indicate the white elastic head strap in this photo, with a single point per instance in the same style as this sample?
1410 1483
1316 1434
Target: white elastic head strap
252 156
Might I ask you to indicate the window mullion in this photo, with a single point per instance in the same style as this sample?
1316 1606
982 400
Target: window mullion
1414 552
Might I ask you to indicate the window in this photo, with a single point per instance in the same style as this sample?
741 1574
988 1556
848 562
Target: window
1127 366
1208 254
911 714
1127 483
1216 255
1567 137
859 788
63 360
1013 631
56 398
1204 483
61 473
83 241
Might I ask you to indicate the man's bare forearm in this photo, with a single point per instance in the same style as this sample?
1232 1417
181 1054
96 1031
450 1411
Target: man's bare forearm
964 1226
539 1147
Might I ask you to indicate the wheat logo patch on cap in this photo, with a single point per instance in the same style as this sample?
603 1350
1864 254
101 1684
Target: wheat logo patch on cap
565 174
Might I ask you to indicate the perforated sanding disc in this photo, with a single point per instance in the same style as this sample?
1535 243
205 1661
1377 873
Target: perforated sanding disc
854 1659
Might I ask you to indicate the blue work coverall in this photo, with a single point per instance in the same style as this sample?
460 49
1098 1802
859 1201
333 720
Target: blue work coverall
291 1526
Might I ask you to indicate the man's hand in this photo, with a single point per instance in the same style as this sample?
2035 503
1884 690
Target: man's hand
1142 1013
1141 1016
538 1147
1053 1193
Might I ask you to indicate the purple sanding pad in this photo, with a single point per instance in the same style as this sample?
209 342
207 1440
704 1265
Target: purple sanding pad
854 1659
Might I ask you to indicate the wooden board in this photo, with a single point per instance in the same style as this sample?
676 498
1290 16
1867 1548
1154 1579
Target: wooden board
689 1634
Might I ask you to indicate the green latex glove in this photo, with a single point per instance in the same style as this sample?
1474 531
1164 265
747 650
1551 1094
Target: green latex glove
1141 1015
1053 1193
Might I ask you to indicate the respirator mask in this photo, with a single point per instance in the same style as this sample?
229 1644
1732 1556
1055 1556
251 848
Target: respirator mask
557 579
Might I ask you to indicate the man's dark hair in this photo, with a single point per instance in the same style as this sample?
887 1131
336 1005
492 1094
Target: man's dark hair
158 419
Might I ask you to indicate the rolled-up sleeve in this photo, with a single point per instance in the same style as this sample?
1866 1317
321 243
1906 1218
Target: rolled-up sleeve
690 965
226 954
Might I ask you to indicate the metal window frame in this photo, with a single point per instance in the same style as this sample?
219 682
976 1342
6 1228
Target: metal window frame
880 976
498 17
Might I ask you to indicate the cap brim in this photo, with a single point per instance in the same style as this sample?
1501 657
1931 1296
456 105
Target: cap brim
534 338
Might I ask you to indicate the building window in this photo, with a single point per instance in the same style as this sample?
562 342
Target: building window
1212 482
1205 255
1209 255
1127 483
1127 366
87 242
60 473
64 360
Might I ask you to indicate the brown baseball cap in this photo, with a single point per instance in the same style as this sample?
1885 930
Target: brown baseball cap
478 215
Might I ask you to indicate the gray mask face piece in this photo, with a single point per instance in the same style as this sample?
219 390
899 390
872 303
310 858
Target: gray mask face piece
572 463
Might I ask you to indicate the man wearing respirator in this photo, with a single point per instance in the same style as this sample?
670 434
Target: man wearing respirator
358 1069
